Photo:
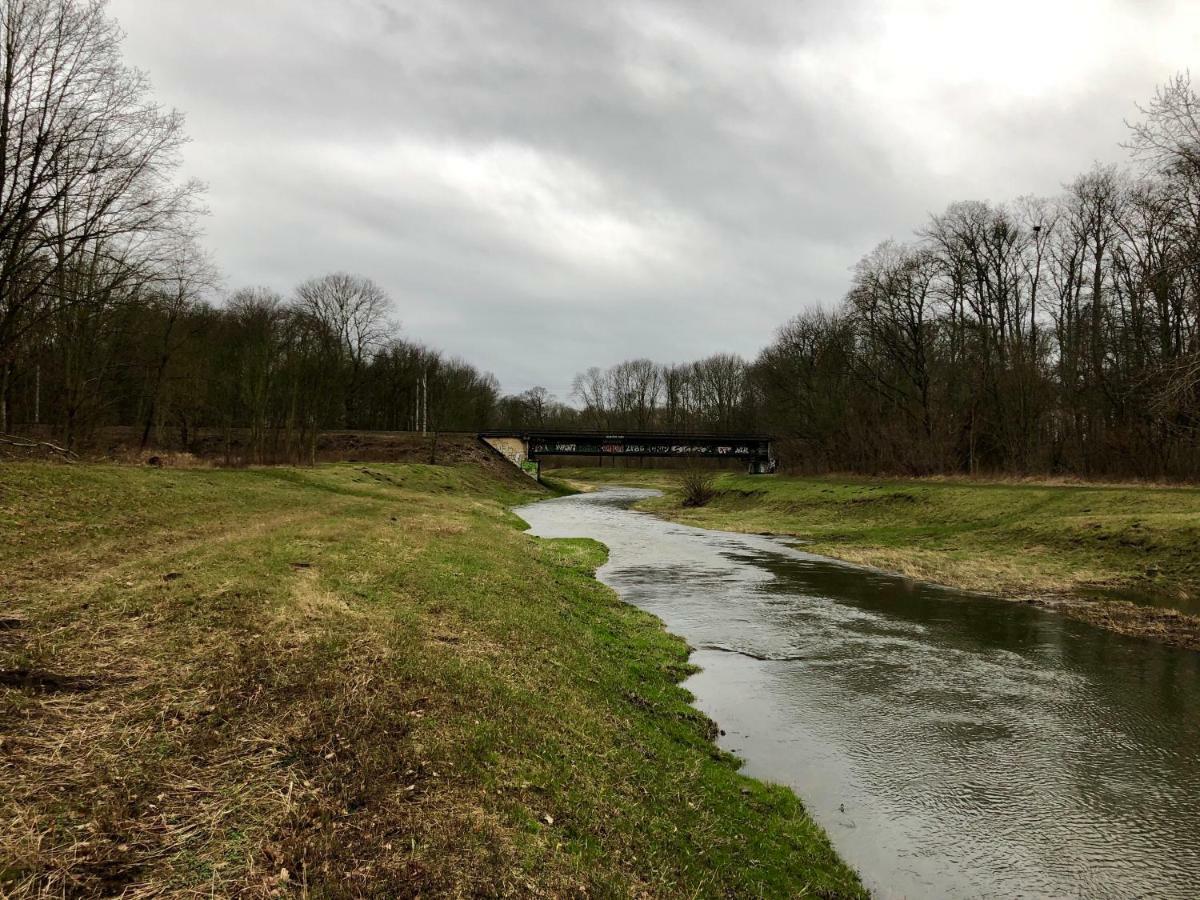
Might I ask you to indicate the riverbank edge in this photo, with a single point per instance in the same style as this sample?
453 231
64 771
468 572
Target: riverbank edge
1166 626
1158 623
293 559
560 488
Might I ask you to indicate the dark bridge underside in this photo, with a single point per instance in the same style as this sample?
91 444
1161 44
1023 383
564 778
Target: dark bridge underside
751 448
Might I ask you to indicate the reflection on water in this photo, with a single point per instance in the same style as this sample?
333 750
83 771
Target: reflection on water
952 745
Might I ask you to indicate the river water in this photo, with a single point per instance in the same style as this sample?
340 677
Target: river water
952 745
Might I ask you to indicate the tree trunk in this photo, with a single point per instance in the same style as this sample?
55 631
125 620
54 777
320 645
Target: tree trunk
5 378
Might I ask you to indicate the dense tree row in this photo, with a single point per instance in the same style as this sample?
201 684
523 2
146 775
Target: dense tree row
1046 335
274 372
105 309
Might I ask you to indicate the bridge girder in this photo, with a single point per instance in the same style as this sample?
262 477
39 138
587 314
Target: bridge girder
752 449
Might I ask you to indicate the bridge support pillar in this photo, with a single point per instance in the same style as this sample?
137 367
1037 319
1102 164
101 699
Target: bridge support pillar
516 451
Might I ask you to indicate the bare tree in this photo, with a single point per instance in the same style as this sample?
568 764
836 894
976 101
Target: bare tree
591 389
1168 134
634 389
86 158
677 397
892 302
356 310
537 403
183 276
719 385
1168 138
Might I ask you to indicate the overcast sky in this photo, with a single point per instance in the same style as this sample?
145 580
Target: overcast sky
544 186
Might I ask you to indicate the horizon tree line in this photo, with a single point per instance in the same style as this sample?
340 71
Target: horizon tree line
1043 335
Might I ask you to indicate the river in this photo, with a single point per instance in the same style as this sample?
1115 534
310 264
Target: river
951 744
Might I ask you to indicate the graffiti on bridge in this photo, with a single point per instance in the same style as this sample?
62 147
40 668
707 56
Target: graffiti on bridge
614 448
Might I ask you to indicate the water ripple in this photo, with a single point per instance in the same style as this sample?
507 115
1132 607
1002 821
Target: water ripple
952 745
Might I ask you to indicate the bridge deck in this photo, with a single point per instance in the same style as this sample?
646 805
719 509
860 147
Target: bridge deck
753 448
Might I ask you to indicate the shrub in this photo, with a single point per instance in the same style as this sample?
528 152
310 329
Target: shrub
698 487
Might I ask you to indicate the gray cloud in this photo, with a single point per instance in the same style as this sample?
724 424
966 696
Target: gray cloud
546 186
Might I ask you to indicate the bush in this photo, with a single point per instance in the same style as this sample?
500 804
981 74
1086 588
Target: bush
698 487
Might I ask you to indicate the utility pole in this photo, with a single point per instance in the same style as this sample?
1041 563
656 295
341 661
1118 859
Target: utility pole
1037 273
424 403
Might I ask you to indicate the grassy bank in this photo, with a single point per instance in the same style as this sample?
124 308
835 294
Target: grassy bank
1124 556
350 681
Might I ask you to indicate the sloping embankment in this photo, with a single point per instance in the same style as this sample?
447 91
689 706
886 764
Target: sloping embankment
350 680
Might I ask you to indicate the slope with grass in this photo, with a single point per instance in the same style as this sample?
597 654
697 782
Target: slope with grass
350 681
1123 556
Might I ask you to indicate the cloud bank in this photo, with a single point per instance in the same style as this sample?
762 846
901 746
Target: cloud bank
547 186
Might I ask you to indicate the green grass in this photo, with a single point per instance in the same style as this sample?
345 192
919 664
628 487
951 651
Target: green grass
350 681
1017 538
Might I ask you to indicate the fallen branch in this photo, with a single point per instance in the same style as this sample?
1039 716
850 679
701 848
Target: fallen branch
30 444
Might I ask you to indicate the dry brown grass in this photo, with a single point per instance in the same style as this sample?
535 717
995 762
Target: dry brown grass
171 765
131 765
348 683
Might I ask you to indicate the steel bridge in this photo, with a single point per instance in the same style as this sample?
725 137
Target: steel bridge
520 447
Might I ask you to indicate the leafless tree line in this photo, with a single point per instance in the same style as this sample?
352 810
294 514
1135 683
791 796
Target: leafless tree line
263 373
328 358
1047 335
106 315
710 395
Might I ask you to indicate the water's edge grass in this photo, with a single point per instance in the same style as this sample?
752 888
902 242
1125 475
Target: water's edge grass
352 680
